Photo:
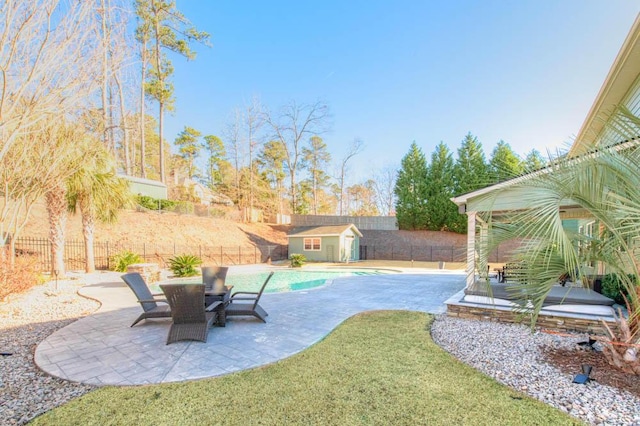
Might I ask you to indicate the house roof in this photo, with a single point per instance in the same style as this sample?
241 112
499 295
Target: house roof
624 72
142 180
325 231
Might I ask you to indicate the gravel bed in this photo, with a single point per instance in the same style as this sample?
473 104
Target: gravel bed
511 354
26 320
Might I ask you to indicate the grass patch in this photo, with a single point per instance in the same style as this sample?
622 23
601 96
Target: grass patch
376 368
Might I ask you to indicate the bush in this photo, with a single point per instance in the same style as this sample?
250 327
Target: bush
185 265
613 287
20 277
123 259
151 203
297 260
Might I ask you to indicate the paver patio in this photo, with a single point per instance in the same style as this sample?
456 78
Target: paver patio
102 349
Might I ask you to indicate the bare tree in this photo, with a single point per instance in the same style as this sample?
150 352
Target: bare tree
47 63
383 185
355 148
294 124
233 136
253 121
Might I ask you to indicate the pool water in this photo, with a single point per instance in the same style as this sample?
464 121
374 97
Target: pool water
285 280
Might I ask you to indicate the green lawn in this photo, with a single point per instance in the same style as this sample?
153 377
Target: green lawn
377 368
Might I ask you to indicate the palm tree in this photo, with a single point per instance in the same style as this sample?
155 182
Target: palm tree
59 143
98 193
604 185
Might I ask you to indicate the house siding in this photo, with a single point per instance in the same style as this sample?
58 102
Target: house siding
333 248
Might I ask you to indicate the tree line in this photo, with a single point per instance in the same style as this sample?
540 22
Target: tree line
278 162
424 189
77 80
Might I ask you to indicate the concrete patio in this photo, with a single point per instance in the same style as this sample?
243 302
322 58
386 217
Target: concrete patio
102 349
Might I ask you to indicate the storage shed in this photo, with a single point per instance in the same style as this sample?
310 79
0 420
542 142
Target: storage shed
335 243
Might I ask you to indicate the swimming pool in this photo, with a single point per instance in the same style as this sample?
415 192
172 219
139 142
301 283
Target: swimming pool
285 280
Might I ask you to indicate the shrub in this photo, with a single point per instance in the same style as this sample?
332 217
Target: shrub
20 277
185 265
613 287
297 260
123 259
151 203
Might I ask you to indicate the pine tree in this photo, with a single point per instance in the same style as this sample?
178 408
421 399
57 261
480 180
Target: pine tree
189 147
315 158
471 172
215 162
534 161
504 164
442 212
411 190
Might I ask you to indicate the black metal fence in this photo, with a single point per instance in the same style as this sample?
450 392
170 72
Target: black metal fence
74 252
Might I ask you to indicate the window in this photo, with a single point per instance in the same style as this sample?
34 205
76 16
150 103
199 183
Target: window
312 244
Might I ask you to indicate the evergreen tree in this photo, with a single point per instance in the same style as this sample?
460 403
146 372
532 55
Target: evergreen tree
470 172
411 190
504 164
215 162
271 162
165 28
534 161
189 147
442 212
315 158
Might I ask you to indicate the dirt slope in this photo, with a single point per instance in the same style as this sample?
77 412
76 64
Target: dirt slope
165 228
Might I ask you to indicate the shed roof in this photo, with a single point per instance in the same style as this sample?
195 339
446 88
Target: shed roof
325 231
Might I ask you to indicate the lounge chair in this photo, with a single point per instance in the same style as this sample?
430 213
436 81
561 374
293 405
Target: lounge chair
213 277
149 304
191 320
252 307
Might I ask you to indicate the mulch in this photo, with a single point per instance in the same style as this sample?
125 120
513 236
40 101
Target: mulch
569 361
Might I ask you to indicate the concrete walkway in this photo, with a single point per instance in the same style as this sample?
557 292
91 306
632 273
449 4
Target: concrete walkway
102 349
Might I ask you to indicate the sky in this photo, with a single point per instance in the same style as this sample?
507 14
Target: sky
394 72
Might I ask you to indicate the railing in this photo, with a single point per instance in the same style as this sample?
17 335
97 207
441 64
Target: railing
74 252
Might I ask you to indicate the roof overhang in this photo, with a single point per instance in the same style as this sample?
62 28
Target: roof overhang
623 73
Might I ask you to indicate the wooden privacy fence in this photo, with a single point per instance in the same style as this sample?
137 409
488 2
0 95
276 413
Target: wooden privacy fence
417 253
74 253
426 253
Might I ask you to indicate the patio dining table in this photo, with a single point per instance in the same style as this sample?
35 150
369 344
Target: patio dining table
218 295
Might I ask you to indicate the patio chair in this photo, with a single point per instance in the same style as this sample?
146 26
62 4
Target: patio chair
252 307
191 320
149 304
213 277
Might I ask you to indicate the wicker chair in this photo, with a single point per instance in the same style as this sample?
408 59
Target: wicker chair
149 304
191 320
253 308
213 277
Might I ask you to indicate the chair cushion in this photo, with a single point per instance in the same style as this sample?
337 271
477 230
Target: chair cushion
557 295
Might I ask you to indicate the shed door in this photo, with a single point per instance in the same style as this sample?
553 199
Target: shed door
349 247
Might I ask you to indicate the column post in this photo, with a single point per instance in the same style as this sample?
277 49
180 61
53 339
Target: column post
471 248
